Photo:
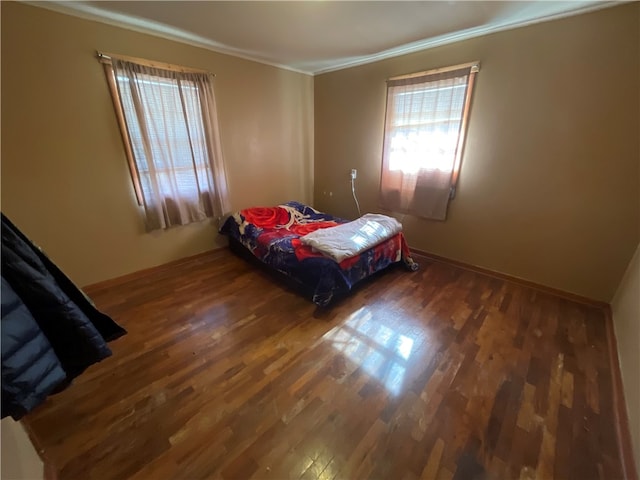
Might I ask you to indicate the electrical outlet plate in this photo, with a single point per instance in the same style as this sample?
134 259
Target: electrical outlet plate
354 173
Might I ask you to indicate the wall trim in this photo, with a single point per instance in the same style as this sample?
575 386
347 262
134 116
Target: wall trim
513 279
149 27
94 287
49 470
625 445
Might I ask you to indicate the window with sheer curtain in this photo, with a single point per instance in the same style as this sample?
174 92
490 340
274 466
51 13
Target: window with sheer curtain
170 129
425 125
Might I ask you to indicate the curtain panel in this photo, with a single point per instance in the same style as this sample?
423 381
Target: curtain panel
171 132
423 140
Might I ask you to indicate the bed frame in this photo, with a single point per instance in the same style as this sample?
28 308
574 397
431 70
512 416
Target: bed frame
299 288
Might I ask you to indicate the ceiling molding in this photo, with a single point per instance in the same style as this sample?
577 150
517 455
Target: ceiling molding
460 36
157 29
150 27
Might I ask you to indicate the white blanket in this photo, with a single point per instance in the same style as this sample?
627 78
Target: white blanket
350 239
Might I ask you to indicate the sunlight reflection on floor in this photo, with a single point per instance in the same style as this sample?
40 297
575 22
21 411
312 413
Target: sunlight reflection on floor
372 343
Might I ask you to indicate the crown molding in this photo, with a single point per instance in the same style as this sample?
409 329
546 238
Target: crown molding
461 36
89 12
149 27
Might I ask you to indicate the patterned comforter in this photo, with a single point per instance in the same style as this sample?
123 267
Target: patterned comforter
272 234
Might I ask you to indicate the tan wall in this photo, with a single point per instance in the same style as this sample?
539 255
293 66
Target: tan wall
549 187
20 460
65 181
626 319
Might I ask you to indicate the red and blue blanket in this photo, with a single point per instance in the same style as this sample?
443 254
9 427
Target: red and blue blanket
272 234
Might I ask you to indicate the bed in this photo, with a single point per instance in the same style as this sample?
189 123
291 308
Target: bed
290 240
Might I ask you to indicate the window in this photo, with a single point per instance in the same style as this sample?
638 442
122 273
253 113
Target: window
169 126
425 124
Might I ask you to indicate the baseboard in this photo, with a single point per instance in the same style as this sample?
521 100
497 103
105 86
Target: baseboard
147 271
517 280
625 445
49 470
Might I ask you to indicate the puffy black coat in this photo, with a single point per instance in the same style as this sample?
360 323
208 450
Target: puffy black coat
30 367
51 332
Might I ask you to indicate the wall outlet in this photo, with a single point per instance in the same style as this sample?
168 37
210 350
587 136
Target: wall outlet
354 173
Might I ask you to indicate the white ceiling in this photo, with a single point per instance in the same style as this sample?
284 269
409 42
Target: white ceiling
320 36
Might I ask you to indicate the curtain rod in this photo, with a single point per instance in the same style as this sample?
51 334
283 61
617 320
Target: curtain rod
474 66
106 58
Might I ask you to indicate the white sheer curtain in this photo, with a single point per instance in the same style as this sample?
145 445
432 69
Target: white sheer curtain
172 129
424 133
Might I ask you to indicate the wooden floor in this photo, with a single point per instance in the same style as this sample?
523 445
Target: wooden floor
441 373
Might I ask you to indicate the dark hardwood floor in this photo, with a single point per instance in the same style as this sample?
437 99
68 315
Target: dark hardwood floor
441 373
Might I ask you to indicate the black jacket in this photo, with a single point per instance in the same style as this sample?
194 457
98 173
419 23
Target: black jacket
51 332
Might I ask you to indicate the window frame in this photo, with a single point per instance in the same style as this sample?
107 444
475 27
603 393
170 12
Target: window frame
126 140
473 68
105 59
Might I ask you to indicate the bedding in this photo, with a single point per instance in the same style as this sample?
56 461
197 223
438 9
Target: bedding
285 238
352 238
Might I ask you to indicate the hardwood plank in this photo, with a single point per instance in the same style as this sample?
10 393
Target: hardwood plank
441 373
433 462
